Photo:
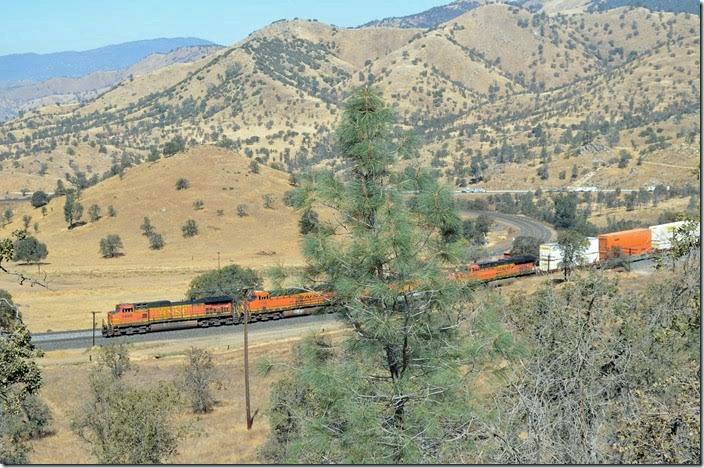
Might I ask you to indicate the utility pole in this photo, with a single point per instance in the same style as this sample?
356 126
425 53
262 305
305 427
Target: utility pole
250 418
94 326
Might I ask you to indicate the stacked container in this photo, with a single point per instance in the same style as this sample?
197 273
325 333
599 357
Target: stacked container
631 242
551 255
662 234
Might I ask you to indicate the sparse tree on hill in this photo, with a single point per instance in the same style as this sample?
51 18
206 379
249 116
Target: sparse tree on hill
146 227
254 167
7 216
199 374
182 184
111 246
112 212
94 213
241 210
268 201
190 229
26 220
30 250
39 199
156 241
308 222
73 210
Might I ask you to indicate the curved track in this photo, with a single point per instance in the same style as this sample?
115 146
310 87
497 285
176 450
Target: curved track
526 227
84 338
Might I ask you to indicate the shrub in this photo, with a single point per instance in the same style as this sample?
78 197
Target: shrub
39 199
199 372
268 201
146 227
114 358
241 210
254 167
198 205
182 184
111 246
156 241
112 212
94 213
190 229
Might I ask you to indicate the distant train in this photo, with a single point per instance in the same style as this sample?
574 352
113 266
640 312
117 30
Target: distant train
140 317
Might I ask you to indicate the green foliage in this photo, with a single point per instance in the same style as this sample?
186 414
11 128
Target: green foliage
190 229
230 280
475 230
146 227
39 199
308 222
111 246
114 358
268 200
112 212
73 210
525 245
397 390
199 374
573 245
94 213
254 167
156 241
182 184
127 425
175 145
29 250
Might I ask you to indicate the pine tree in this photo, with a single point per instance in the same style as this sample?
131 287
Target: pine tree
397 389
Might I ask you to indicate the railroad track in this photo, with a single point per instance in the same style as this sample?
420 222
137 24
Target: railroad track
84 338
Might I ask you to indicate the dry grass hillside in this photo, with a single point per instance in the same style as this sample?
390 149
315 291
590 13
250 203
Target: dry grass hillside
82 280
495 82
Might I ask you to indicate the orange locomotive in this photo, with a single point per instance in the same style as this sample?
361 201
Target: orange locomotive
490 271
128 319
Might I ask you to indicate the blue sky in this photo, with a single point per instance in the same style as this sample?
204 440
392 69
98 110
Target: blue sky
45 26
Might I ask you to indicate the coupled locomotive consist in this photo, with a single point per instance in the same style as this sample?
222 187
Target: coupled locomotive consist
132 318
128 319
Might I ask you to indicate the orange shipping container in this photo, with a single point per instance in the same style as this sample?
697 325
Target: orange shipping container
632 242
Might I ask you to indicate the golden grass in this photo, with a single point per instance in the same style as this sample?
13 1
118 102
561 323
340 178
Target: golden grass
217 437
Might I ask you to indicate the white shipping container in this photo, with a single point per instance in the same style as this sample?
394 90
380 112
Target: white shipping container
661 235
551 255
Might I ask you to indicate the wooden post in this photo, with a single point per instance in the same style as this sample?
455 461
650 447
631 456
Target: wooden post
250 418
94 327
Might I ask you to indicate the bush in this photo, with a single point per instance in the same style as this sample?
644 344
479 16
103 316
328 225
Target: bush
229 280
156 241
39 199
268 201
112 212
182 184
190 229
29 250
94 213
114 358
254 167
146 227
199 372
111 246
198 205
241 210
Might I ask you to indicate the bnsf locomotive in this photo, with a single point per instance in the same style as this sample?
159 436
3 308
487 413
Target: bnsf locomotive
128 319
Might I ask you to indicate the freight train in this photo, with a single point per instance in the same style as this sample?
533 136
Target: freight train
140 317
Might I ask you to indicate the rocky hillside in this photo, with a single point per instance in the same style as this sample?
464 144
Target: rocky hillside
496 89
